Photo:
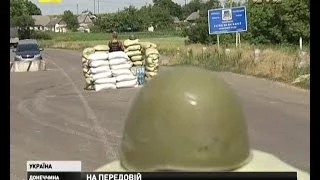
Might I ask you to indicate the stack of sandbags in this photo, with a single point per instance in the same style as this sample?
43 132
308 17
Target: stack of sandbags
103 48
85 67
133 50
146 45
100 72
152 62
120 65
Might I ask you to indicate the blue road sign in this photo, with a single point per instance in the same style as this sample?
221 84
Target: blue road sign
227 20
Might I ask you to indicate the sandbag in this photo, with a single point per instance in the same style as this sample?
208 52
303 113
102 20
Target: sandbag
85 70
98 63
156 61
152 65
118 54
136 58
129 42
89 87
153 45
137 63
151 74
153 56
151 60
101 75
119 72
85 65
118 61
101 48
87 51
134 53
151 69
127 65
89 80
100 69
84 60
111 80
98 56
125 78
151 51
127 84
99 87
145 45
133 48
86 75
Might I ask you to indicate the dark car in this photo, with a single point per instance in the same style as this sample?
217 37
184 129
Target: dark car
27 50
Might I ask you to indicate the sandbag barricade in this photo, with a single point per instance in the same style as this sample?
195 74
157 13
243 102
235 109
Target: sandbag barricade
152 60
134 51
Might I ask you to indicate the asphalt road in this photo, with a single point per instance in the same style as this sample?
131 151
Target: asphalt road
53 118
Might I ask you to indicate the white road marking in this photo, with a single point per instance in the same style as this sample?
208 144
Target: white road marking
90 113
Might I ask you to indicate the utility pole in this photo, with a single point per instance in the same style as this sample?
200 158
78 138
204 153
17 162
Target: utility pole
77 9
94 6
98 6
185 2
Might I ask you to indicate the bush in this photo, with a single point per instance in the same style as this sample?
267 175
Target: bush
41 35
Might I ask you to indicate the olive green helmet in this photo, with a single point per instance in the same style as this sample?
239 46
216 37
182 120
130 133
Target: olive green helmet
132 37
185 119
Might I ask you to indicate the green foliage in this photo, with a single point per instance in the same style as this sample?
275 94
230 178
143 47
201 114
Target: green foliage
20 16
173 8
40 35
71 20
32 8
267 23
132 19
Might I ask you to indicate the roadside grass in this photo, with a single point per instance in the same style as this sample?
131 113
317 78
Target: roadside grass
275 62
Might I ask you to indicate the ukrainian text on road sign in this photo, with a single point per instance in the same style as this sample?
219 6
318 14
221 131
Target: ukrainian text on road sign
227 20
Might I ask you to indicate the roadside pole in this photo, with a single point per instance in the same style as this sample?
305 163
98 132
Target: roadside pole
236 39
218 41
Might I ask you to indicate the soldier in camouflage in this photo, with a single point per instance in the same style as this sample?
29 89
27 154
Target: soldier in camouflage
189 120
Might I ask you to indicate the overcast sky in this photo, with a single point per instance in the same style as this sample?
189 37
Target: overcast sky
105 5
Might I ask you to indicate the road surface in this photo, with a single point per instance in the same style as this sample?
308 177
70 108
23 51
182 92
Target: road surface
53 118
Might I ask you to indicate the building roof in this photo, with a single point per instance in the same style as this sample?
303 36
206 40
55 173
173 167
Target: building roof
56 20
193 16
41 20
176 20
84 18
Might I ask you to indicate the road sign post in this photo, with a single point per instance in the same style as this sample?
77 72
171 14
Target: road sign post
227 20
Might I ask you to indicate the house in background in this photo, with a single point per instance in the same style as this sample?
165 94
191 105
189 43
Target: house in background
49 23
85 21
41 22
193 17
57 25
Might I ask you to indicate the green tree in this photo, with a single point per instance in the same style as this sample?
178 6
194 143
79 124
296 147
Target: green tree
296 20
32 8
20 16
173 8
71 20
